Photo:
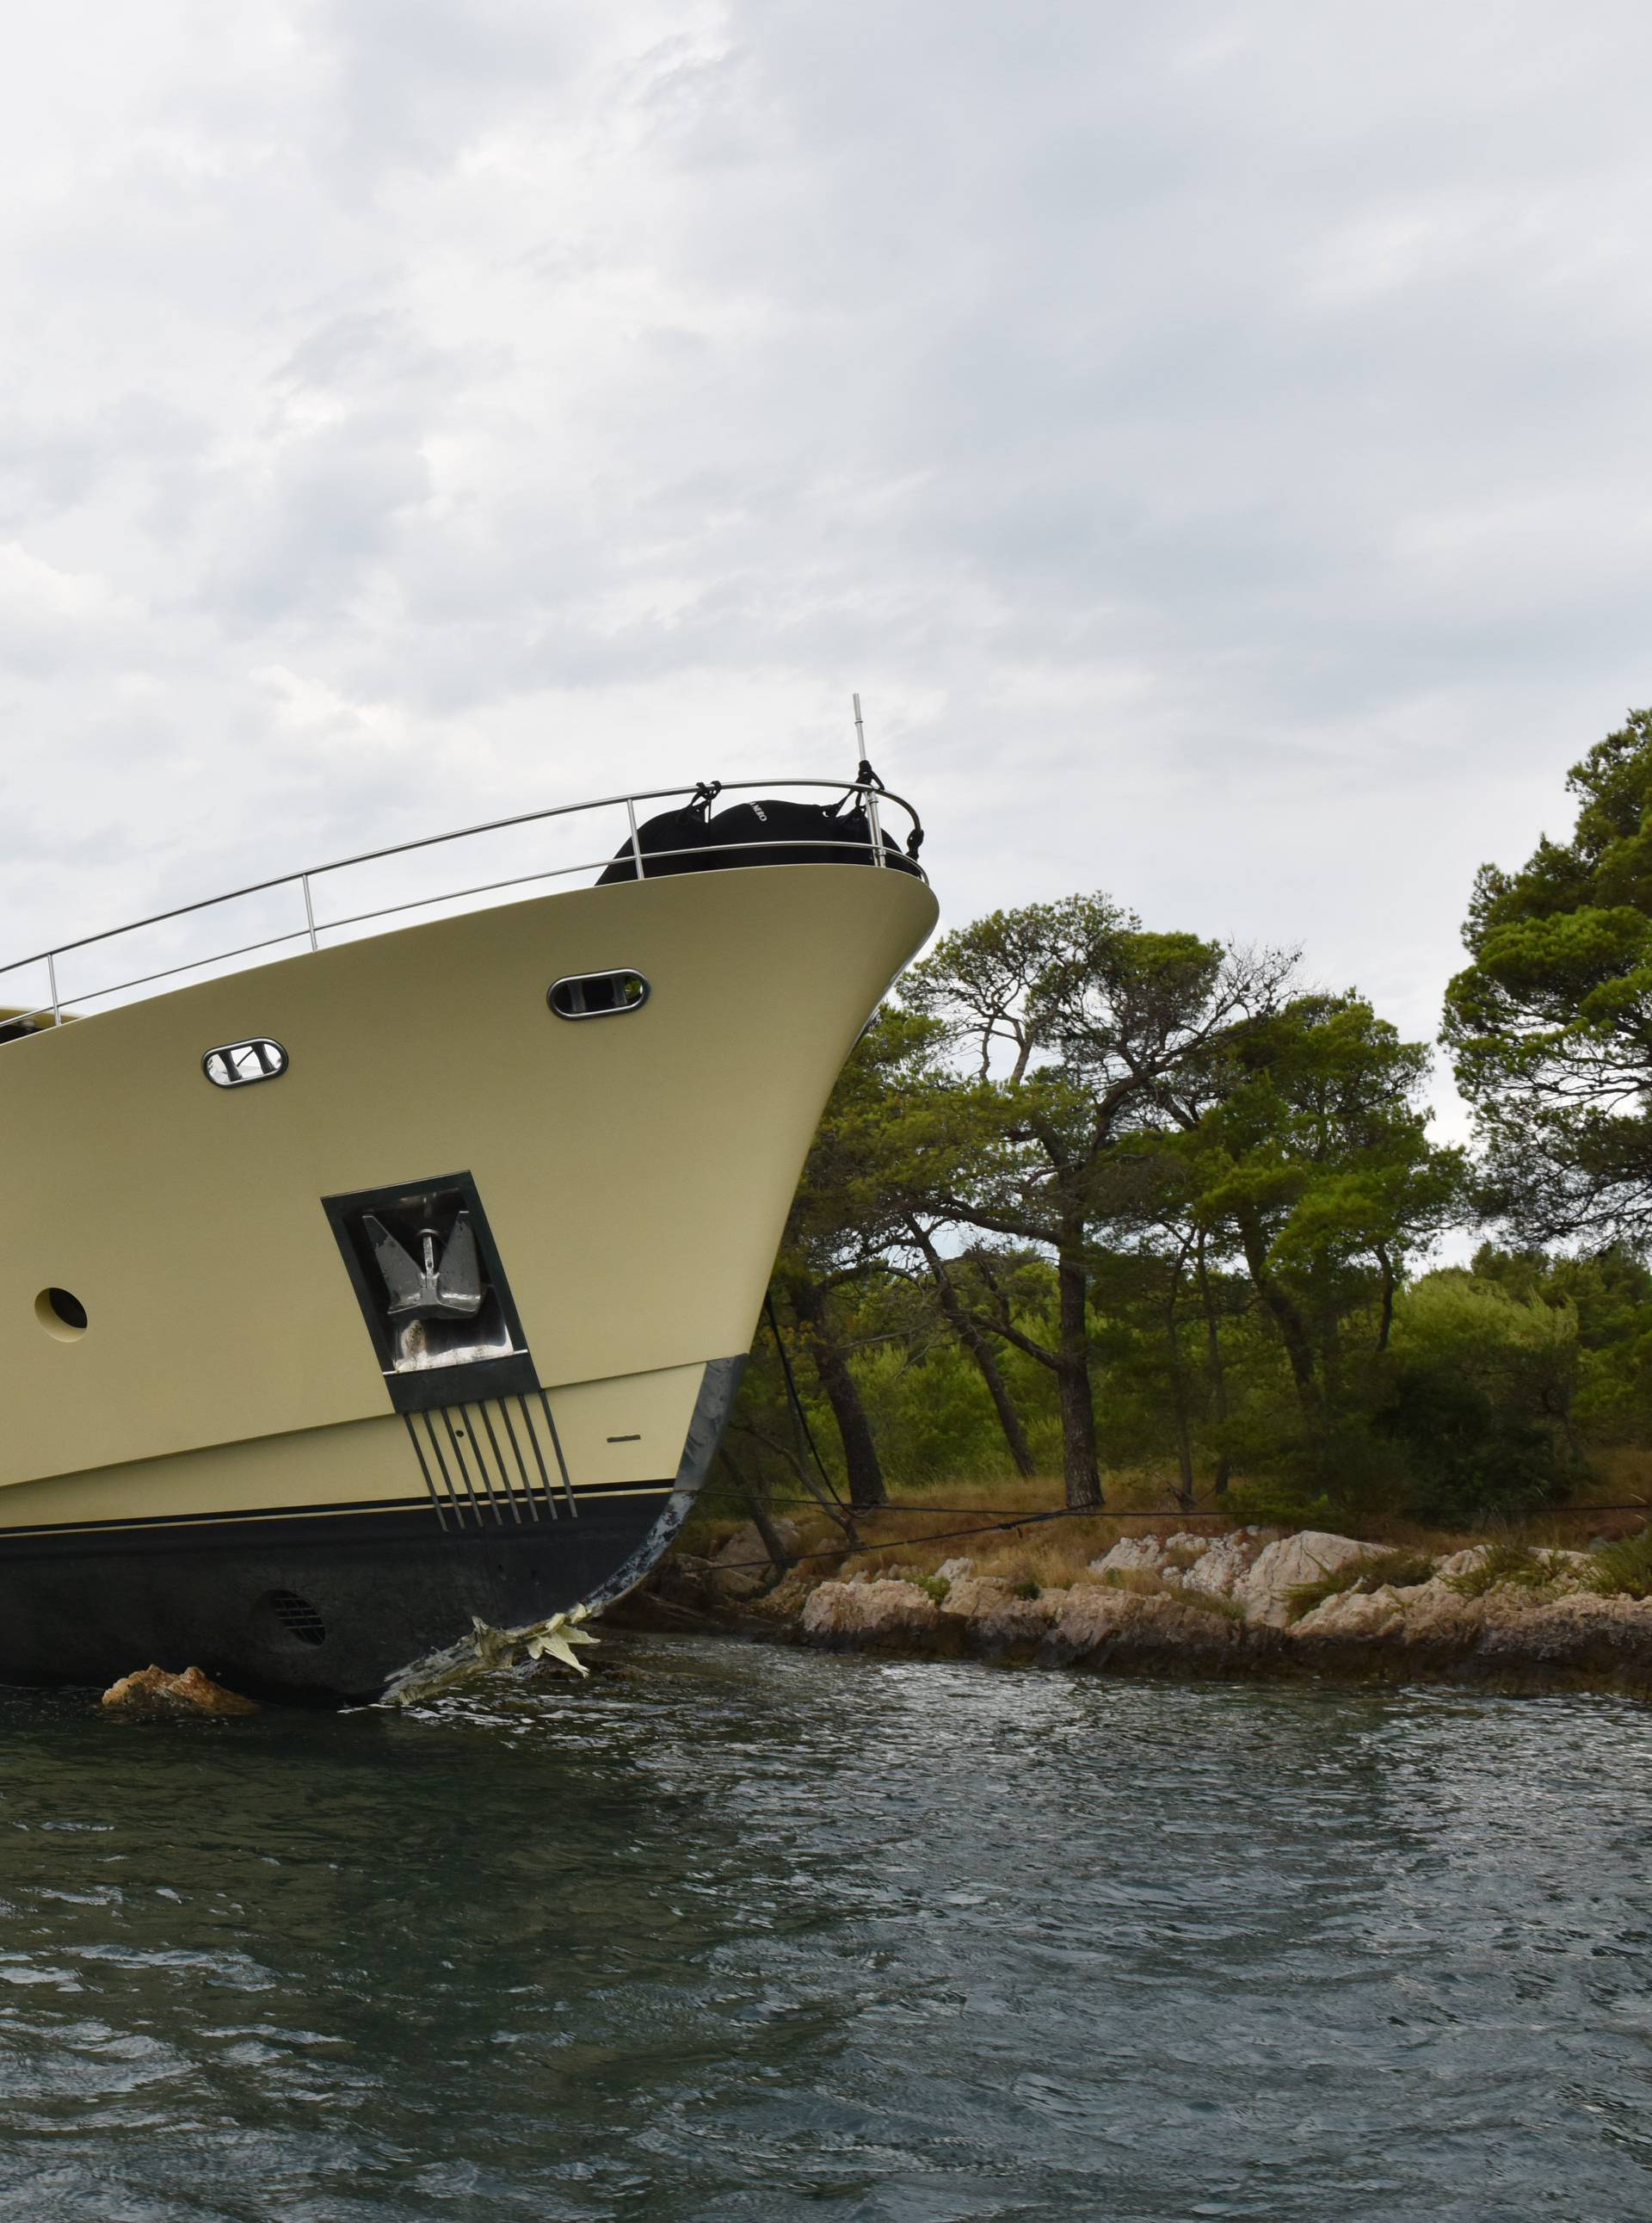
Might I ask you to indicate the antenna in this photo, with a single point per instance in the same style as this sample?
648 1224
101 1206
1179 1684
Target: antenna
860 740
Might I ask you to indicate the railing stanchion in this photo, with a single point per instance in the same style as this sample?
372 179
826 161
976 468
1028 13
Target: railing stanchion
667 856
871 818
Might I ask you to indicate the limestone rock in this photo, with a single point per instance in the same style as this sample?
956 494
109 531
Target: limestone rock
153 1690
1149 1629
1221 1570
1282 1567
1456 1564
972 1594
1185 1545
1130 1555
1352 1614
1585 1633
954 1570
1089 1617
855 1614
999 1621
742 1566
1435 1617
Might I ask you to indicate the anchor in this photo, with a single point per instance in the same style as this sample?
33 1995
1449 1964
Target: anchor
445 1283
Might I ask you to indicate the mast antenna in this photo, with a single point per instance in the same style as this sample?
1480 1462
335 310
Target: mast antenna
860 739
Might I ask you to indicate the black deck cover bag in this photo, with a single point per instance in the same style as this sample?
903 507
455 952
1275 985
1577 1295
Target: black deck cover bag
665 837
780 833
776 832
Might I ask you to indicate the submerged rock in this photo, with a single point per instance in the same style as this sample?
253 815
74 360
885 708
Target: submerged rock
152 1689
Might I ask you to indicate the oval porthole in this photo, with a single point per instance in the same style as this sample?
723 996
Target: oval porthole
61 1314
598 995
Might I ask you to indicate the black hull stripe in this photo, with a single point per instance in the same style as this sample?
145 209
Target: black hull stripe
277 1513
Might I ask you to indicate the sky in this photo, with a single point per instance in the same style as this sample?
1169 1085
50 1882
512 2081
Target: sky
1212 438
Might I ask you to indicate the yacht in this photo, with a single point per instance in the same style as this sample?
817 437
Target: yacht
384 1241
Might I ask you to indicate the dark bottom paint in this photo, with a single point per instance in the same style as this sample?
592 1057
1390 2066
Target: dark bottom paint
328 1604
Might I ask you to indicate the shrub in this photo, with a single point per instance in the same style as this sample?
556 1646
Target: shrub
1386 1570
1278 1502
1142 1580
1623 1570
1503 1562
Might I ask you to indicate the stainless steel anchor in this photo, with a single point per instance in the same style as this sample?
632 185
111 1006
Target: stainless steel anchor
445 1282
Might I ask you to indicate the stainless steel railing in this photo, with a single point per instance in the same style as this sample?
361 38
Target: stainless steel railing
59 969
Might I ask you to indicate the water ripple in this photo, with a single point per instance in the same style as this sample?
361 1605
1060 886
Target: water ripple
754 1935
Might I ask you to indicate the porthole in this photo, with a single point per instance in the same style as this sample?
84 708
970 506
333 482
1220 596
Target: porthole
61 1314
597 995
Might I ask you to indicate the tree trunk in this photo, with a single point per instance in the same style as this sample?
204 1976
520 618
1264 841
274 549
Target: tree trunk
1218 1371
1083 1475
756 1499
1186 1497
1293 1330
980 1350
861 1462
1386 1324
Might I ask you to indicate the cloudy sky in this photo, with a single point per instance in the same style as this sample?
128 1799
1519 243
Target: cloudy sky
1211 436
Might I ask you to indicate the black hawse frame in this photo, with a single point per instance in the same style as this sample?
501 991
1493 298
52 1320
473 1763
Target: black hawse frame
410 1204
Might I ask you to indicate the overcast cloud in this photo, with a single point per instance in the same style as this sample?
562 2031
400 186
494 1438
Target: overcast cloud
1212 438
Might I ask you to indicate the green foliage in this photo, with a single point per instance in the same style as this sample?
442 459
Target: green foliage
932 1416
1505 1562
1549 1021
1610 1297
1280 1502
1097 1193
1478 1396
1383 1570
1623 1570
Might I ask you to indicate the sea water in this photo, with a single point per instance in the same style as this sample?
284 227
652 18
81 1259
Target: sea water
744 1933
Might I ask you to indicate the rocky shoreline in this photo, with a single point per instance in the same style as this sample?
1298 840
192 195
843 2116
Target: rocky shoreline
1250 1603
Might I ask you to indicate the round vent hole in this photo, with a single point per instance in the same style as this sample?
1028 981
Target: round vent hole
297 1615
61 1314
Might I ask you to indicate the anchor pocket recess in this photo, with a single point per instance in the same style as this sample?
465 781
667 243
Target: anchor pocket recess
427 1276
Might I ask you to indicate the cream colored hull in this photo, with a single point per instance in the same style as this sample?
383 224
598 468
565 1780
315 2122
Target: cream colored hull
635 1170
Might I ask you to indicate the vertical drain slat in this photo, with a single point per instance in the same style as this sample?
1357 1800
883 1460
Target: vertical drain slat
424 1468
527 1485
447 1422
504 1472
480 1482
454 1497
562 1464
539 1455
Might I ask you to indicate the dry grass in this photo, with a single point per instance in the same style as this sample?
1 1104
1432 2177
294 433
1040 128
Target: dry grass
913 1537
1395 1569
